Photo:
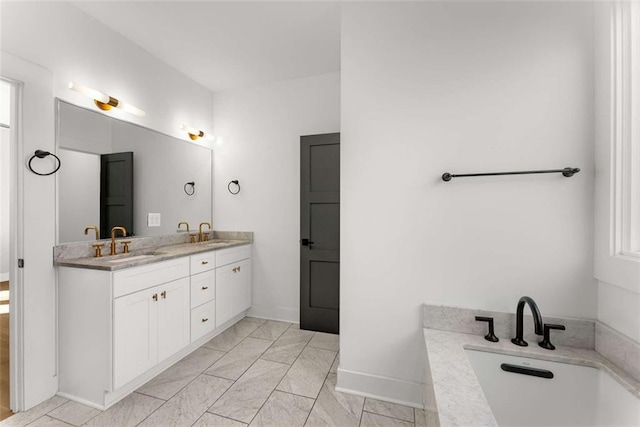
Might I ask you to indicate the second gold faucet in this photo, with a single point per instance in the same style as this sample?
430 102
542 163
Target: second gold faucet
203 237
113 237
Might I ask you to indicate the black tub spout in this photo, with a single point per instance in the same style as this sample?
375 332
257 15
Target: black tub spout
537 320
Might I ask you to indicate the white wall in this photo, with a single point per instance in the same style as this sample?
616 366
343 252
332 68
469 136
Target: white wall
459 87
260 129
77 47
618 277
72 46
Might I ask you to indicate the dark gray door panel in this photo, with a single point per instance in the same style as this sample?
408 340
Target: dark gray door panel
320 232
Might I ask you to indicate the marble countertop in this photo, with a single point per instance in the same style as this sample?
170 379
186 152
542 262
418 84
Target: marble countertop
148 255
458 394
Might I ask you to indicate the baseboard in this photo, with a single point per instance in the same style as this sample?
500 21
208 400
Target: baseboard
275 313
4 277
381 388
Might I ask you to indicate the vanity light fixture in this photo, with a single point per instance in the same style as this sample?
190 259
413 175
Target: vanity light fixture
105 102
194 133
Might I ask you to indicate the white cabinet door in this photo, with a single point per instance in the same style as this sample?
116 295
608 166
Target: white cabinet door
242 288
224 294
233 290
173 317
135 335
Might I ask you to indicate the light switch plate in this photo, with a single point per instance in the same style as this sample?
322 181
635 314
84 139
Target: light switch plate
153 220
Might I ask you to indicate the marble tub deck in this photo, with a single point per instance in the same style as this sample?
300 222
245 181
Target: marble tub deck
258 372
457 393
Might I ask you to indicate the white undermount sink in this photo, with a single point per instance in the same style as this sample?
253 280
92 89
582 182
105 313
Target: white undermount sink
130 258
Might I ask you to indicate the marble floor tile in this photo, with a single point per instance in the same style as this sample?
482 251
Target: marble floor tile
233 335
387 409
283 409
426 418
308 372
334 408
244 399
26 417
233 364
336 364
288 347
168 383
208 419
375 420
47 421
326 341
128 412
74 413
190 403
270 330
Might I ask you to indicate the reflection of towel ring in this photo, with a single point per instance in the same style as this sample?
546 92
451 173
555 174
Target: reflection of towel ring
193 188
41 155
236 182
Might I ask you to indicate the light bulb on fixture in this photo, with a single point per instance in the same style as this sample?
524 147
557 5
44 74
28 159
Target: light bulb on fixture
194 133
105 102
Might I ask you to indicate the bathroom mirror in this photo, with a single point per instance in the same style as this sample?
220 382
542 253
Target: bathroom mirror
162 166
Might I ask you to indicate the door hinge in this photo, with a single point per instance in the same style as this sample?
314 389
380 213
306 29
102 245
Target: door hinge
20 263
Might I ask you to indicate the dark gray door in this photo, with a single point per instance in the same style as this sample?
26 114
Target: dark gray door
320 232
116 192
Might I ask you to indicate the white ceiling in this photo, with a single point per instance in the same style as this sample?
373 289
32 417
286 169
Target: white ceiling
227 45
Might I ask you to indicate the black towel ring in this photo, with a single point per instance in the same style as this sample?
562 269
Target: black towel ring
193 188
236 182
41 155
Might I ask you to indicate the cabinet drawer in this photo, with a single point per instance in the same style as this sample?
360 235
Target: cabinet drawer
203 320
203 262
135 279
203 288
227 256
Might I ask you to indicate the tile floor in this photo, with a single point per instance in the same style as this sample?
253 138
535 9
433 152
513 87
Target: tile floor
257 372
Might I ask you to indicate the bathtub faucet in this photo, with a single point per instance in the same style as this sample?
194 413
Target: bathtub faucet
537 320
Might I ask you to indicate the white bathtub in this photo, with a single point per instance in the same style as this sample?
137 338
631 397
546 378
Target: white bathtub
575 396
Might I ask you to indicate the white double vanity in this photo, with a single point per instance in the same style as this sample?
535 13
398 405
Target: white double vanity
124 319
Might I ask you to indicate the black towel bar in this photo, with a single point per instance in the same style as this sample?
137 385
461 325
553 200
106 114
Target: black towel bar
568 172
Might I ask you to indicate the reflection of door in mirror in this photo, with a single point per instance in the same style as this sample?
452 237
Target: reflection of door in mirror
116 193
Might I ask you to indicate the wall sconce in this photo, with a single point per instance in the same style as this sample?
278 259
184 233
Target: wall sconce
105 102
195 133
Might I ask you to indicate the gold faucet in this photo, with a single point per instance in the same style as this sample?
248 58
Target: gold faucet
92 227
192 237
113 238
201 237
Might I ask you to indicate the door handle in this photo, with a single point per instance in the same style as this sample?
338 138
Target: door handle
306 242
